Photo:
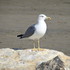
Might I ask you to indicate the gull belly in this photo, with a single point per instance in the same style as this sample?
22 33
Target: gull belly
40 31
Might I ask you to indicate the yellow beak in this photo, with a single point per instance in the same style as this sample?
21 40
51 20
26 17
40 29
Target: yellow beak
48 18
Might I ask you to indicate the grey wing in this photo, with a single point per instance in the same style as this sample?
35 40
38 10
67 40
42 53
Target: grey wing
30 31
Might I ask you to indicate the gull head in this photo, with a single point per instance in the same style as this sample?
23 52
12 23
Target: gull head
43 17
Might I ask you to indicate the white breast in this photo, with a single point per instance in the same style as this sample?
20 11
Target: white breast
40 30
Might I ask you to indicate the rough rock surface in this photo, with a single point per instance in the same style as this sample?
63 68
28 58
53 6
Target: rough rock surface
28 59
54 64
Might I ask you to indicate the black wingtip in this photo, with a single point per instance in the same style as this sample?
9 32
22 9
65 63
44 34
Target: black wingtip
20 36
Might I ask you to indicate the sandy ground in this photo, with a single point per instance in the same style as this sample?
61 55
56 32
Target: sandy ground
17 15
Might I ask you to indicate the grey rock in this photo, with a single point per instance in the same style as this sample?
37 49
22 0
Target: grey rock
54 64
29 59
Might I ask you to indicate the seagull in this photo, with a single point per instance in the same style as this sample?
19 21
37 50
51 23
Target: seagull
36 31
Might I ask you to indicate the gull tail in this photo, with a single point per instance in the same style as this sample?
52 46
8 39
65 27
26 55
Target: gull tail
21 36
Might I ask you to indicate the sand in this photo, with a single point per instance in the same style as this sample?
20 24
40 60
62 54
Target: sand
17 15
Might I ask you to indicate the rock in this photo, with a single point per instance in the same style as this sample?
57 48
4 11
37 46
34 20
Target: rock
28 59
54 64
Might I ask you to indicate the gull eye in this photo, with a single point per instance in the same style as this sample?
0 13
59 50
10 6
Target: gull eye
41 16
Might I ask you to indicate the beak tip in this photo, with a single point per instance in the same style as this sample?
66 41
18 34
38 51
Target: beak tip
49 18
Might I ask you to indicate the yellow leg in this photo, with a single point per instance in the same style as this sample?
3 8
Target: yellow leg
34 49
39 49
38 44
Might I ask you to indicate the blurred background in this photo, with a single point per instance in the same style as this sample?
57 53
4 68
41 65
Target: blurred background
17 15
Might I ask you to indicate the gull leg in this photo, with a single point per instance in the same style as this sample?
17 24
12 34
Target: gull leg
34 49
38 44
39 49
